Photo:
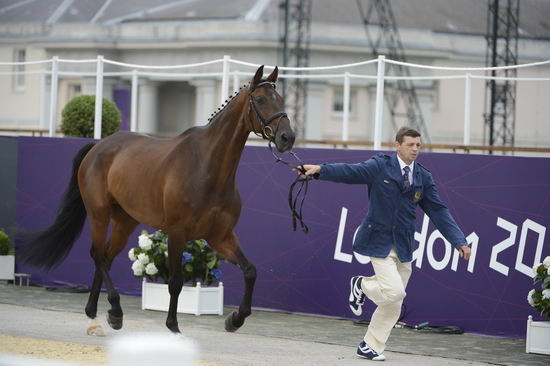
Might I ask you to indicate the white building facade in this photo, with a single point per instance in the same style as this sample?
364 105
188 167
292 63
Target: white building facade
187 32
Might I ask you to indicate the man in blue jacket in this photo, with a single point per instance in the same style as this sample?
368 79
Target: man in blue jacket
396 184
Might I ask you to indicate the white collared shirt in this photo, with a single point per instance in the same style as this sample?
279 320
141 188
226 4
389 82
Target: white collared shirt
411 167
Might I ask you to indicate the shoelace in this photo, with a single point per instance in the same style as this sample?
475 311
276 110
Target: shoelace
360 295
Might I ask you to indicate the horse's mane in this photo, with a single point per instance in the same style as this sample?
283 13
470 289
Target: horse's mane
227 101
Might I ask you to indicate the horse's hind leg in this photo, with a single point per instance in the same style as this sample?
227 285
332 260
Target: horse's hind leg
231 250
122 226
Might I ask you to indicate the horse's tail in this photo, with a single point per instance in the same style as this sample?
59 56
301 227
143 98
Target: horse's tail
46 249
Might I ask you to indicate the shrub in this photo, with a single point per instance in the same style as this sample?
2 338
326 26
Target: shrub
77 118
150 259
5 245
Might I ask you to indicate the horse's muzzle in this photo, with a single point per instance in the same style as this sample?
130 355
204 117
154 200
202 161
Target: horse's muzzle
285 140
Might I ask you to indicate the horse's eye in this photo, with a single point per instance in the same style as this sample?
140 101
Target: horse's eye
260 99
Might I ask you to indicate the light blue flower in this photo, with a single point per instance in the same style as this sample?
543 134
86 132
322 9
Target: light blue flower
187 258
216 273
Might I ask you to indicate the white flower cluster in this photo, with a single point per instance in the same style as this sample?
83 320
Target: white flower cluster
529 297
545 293
142 262
546 263
144 242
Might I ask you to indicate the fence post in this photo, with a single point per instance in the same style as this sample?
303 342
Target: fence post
345 114
98 97
379 115
133 107
467 107
225 79
53 96
236 81
43 89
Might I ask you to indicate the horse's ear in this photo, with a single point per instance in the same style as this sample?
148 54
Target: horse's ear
258 77
273 76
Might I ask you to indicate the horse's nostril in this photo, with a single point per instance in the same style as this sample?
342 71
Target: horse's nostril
284 137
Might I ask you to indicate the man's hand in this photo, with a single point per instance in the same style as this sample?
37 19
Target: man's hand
465 251
310 169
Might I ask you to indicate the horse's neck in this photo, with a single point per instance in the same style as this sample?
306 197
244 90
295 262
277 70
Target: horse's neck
227 135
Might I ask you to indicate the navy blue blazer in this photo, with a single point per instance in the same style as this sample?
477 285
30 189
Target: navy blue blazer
392 210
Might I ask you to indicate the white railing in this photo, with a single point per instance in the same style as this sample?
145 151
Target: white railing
225 74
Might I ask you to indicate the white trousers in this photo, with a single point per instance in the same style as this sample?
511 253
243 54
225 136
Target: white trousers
387 290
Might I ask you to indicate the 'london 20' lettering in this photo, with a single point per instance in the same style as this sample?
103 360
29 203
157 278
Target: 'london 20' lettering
427 242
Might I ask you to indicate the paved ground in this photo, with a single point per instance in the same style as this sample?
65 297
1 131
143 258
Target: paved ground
267 338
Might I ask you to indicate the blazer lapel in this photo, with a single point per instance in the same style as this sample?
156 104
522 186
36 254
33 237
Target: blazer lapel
395 172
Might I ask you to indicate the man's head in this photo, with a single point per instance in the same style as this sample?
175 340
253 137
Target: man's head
407 144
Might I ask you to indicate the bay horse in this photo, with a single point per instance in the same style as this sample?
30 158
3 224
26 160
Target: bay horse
184 186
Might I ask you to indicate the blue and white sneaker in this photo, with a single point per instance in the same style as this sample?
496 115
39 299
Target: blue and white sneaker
356 295
365 351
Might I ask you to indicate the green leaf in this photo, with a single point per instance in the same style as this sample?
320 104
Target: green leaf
189 267
212 262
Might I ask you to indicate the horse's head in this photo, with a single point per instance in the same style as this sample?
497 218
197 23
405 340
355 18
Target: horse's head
266 111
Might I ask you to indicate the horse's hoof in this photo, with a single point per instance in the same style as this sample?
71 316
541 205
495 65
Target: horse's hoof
230 325
115 322
173 326
95 330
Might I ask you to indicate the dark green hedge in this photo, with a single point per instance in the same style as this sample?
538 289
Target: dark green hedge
78 117
5 246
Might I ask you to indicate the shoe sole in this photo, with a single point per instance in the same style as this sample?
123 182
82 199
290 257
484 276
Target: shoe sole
359 310
371 359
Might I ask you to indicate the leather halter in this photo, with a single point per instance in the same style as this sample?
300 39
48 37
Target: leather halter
267 131
269 134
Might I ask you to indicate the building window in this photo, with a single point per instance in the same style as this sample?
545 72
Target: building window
73 90
19 55
338 101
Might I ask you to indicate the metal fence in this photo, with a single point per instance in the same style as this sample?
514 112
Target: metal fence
136 71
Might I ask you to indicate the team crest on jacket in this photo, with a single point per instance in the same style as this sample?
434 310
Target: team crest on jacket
416 197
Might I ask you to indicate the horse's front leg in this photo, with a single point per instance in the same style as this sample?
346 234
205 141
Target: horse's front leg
176 243
231 250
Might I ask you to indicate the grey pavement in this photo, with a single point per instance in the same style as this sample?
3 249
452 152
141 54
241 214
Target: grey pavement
267 338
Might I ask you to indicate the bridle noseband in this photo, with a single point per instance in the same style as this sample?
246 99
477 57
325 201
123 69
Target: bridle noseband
269 134
267 131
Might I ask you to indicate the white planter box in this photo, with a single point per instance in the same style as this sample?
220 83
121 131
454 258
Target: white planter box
538 337
7 267
192 300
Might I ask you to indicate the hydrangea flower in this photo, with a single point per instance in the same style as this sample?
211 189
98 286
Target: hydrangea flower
546 262
144 242
187 257
132 255
138 268
546 294
535 268
151 269
216 273
143 258
530 298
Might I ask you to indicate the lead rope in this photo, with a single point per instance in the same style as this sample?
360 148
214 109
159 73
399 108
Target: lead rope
293 200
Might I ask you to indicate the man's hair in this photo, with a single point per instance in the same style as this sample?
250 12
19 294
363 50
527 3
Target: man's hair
406 131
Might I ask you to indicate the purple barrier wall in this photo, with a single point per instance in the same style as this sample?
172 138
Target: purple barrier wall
501 204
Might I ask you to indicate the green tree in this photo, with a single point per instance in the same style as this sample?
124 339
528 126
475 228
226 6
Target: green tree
78 117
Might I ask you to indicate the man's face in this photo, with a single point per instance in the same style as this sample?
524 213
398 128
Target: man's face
409 149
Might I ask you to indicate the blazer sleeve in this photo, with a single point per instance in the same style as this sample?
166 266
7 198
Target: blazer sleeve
440 215
359 173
